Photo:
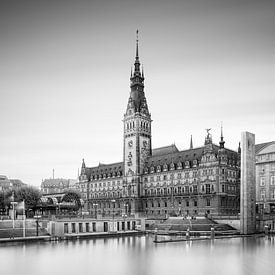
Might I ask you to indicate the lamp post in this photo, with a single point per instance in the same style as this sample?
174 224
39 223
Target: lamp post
37 223
125 215
13 215
113 201
95 206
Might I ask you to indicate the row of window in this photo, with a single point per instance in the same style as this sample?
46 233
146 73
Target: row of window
104 176
263 194
186 203
207 188
191 174
262 180
266 157
106 195
132 125
106 184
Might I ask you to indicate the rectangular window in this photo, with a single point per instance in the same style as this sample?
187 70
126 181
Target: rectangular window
66 229
272 180
208 202
164 177
195 203
262 181
187 203
207 188
195 189
87 227
272 194
73 227
94 227
80 226
186 189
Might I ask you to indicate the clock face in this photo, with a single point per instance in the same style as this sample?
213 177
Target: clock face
130 143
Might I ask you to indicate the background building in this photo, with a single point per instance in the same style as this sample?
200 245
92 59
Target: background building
162 181
265 177
49 186
7 184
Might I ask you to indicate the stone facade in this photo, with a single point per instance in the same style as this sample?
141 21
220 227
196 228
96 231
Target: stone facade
163 181
265 177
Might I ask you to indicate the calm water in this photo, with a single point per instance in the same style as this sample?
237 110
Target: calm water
140 256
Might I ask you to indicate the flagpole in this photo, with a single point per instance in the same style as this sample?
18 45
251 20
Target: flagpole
24 220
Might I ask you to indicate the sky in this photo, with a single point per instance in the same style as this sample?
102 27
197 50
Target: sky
65 68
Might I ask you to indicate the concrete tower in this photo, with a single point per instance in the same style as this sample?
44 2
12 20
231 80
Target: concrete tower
248 184
137 132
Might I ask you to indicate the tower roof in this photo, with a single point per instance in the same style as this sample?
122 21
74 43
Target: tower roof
137 101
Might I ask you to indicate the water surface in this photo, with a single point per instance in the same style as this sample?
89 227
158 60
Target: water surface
140 256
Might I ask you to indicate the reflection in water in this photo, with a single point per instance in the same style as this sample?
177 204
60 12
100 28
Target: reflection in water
140 256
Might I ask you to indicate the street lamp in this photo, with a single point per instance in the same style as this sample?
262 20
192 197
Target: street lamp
95 206
37 221
125 215
113 201
13 215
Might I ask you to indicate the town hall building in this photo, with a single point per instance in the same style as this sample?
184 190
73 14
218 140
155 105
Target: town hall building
162 181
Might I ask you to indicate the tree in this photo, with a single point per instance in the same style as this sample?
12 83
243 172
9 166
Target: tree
29 194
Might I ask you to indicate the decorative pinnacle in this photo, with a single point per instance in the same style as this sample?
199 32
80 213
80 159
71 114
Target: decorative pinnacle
191 143
222 141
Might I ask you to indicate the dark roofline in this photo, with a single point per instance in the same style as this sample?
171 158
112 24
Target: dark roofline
261 146
100 165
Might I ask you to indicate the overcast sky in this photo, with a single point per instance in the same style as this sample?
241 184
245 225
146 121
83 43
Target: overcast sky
65 68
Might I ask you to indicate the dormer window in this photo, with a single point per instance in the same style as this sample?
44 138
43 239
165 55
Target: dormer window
187 164
172 166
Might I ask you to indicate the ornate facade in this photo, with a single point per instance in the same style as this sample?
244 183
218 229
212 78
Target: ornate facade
163 181
265 177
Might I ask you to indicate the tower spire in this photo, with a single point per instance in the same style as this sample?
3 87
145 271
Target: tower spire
137 46
191 143
222 142
137 63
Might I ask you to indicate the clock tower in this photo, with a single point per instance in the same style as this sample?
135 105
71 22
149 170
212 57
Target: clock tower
137 133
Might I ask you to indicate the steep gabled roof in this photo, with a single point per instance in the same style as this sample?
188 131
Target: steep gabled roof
170 149
104 169
259 147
